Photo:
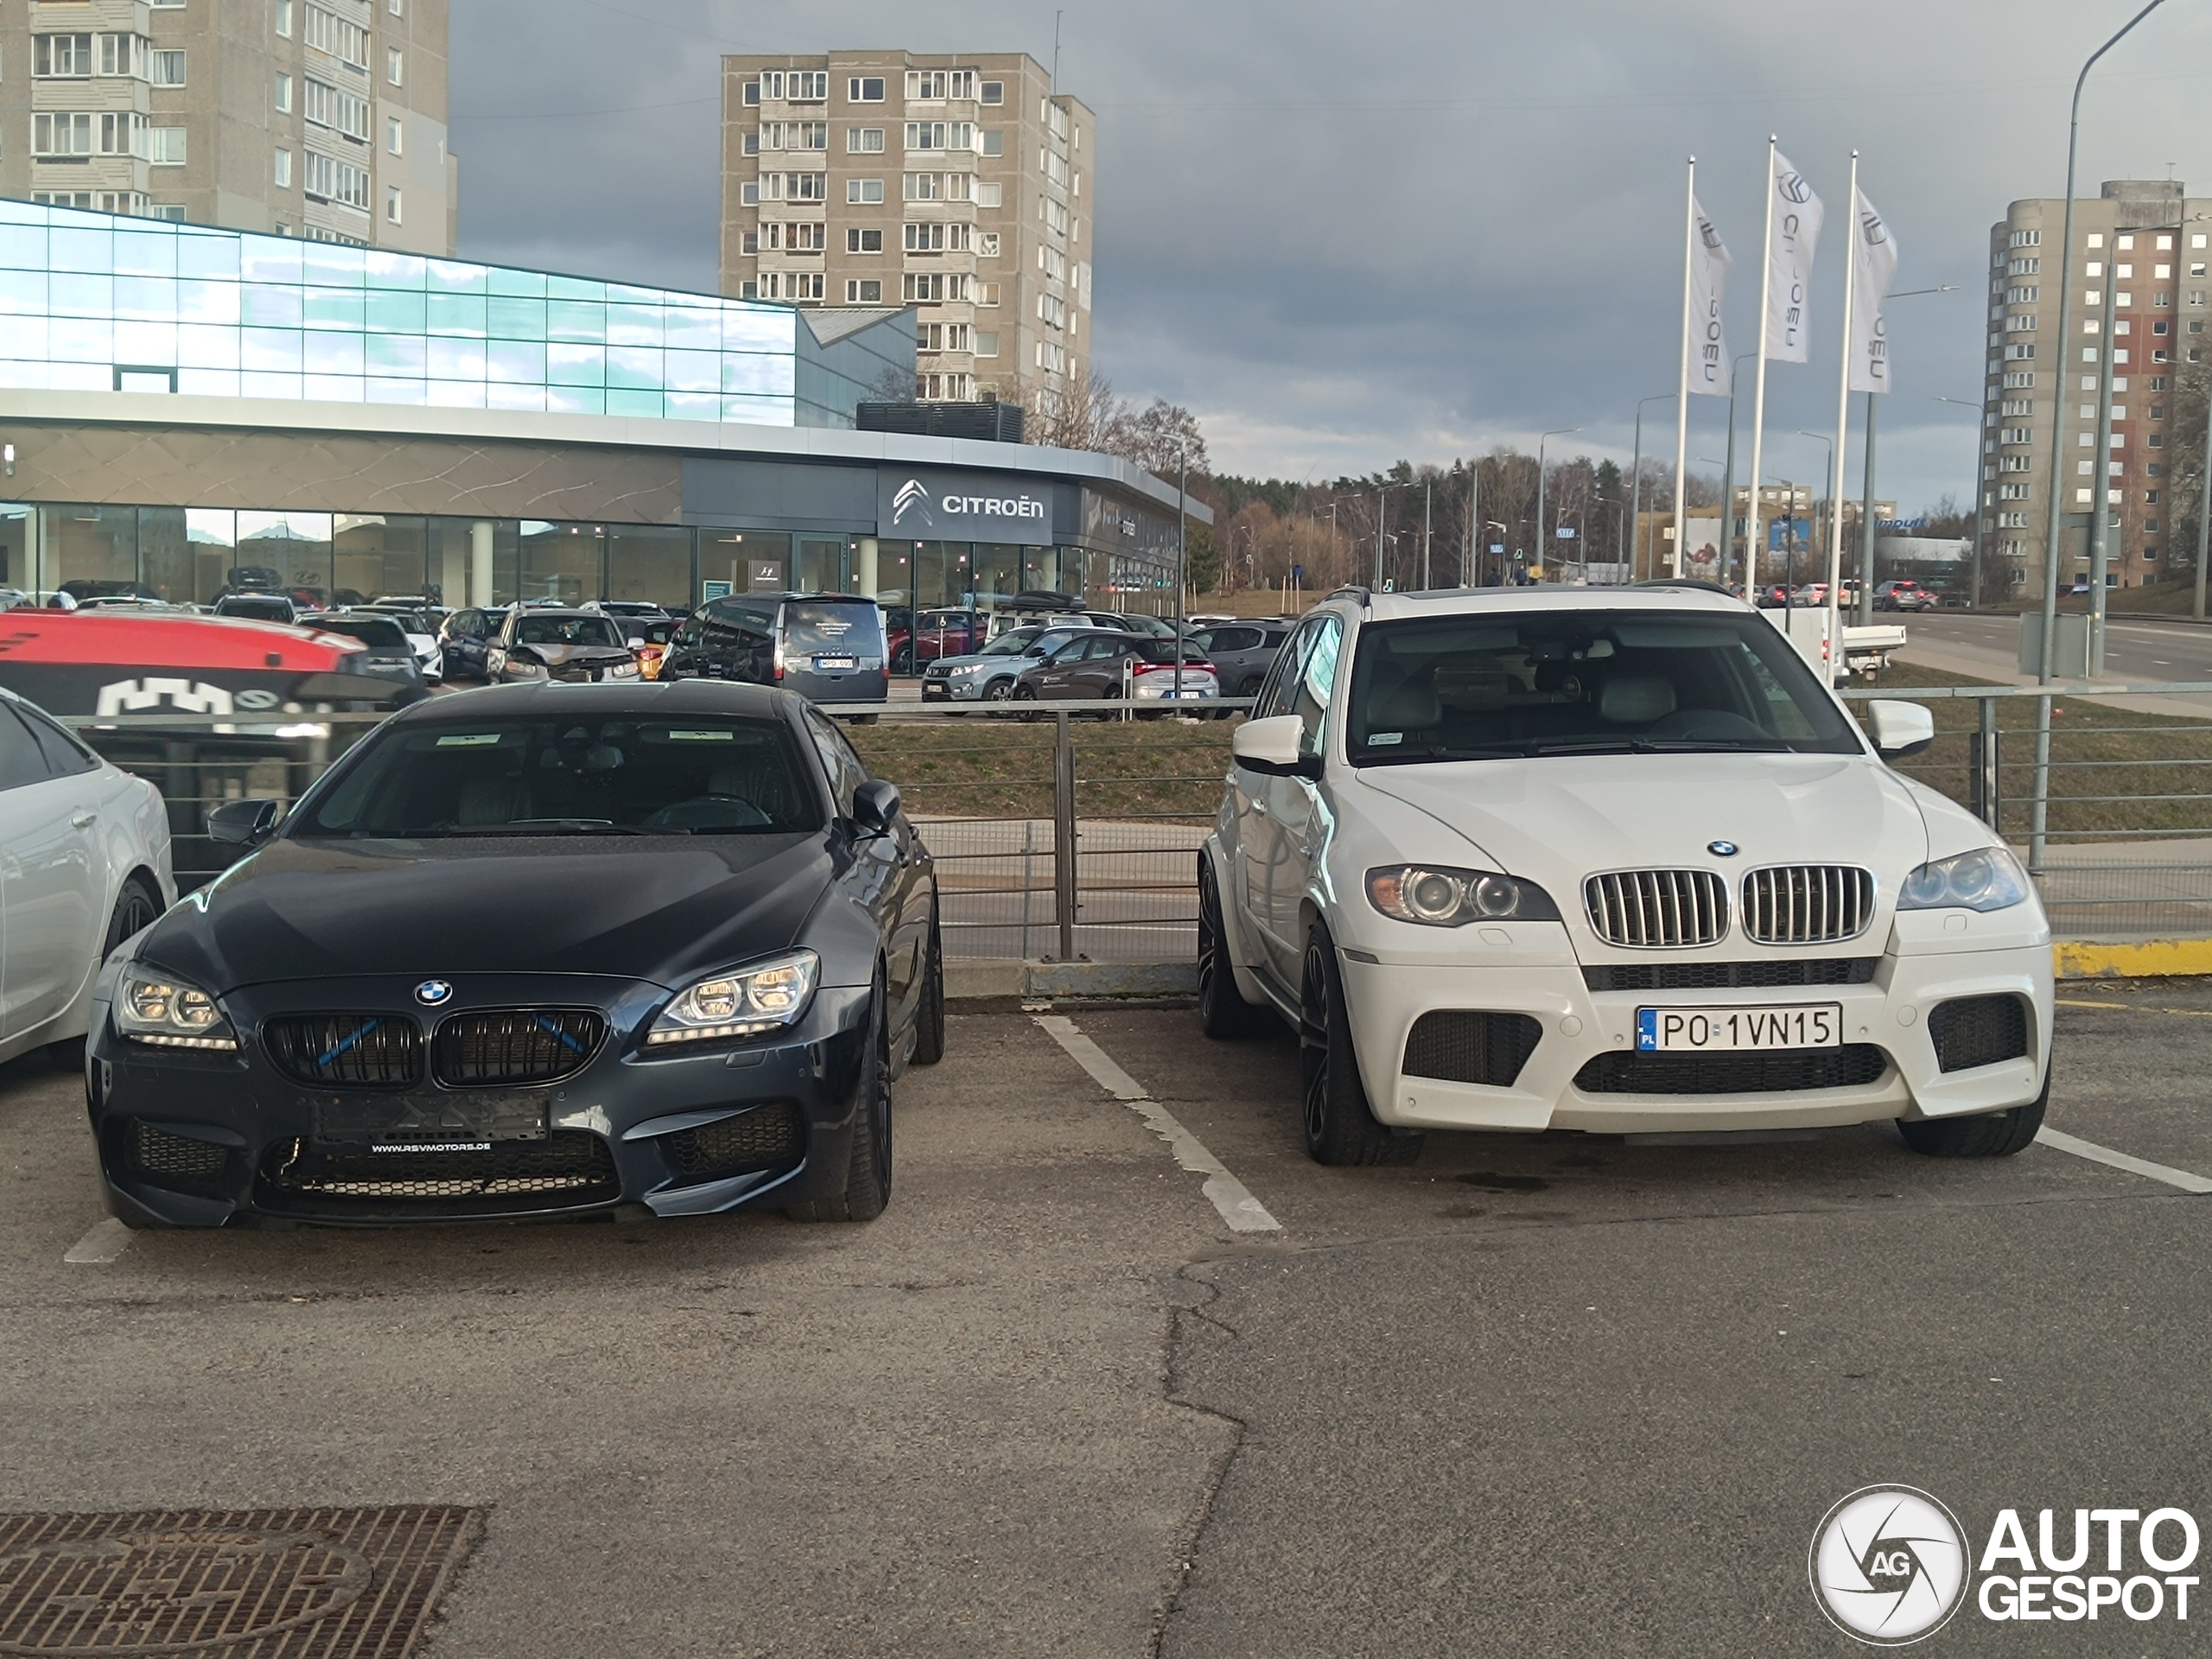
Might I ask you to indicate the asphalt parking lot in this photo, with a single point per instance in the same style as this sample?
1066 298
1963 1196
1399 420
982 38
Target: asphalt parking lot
1525 1397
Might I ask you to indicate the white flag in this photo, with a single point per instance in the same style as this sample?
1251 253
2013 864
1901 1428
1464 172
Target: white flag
1797 215
1873 262
1709 264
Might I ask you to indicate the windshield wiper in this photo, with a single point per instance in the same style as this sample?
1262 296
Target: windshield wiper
1662 745
1398 757
554 827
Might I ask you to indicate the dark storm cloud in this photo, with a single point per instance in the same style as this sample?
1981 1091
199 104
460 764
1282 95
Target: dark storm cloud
1346 234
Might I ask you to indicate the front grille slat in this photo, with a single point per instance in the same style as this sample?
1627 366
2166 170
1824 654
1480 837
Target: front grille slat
1807 904
349 1051
491 1048
1657 910
1767 1072
570 1167
1730 975
1471 1046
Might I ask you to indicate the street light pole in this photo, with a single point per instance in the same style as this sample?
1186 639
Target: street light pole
2039 816
1728 475
1543 538
1635 488
1828 471
1974 591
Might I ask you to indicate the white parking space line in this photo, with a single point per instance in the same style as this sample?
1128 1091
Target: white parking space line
1243 1212
2097 1154
107 1241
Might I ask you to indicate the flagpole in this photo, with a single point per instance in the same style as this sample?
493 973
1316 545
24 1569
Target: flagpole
1837 659
1682 397
1758 394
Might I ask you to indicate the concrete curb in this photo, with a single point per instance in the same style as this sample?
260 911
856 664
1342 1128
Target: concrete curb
971 978
975 977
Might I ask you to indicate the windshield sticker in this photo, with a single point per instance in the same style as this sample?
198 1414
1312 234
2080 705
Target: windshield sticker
702 737
471 740
1383 739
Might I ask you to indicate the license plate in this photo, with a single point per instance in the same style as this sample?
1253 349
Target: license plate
836 661
447 1122
1729 1030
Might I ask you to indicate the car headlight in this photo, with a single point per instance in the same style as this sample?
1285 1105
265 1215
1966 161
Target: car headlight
1438 896
743 1002
1988 878
160 1009
623 671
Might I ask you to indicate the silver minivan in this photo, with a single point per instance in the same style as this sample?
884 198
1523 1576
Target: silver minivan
827 647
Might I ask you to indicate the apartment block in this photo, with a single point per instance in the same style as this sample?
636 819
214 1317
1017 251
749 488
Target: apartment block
959 185
2149 243
317 118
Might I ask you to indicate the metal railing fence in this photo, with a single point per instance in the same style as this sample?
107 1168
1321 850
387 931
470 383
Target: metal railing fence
1065 837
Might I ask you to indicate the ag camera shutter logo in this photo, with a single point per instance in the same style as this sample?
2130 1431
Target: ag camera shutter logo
1889 1566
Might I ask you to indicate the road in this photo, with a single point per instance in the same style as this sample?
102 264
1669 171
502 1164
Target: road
1527 1395
2134 651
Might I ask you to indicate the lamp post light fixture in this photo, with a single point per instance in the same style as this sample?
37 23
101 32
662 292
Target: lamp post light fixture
1636 486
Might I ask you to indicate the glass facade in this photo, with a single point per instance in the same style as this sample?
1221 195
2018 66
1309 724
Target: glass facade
195 555
90 302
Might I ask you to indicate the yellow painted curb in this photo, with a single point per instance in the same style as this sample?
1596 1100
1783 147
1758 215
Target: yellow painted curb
2149 959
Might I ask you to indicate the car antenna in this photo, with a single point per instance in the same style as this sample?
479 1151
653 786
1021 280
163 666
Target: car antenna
1354 590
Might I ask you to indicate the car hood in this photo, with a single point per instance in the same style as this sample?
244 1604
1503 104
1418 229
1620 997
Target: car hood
555 655
666 911
963 661
1557 820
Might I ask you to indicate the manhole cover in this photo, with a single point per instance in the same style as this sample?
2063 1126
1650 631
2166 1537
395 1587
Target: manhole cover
259 1584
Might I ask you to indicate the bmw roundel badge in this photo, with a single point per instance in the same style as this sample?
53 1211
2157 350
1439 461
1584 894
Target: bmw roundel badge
432 992
1718 848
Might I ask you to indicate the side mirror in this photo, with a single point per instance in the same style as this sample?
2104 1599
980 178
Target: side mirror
636 644
1900 728
1271 747
875 803
243 823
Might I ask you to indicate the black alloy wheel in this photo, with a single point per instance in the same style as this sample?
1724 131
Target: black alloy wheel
1340 1128
904 662
998 691
1222 1011
929 1017
866 1189
1025 692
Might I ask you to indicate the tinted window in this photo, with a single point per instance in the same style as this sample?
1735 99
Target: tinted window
566 631
1230 639
21 760
377 632
65 756
1012 643
710 775
1275 694
812 626
258 610
844 767
1477 687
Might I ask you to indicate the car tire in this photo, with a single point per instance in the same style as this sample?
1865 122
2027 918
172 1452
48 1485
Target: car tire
1340 1127
136 906
867 1188
998 691
1028 694
903 662
1996 1135
929 1017
1223 1013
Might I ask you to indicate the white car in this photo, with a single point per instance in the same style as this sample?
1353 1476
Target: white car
84 865
422 632
1611 861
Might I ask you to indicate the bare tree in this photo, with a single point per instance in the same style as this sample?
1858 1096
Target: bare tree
1083 414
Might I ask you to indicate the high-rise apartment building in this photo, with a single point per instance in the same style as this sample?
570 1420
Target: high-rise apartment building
2150 243
318 118
959 186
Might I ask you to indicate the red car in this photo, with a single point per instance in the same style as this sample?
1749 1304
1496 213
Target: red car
913 641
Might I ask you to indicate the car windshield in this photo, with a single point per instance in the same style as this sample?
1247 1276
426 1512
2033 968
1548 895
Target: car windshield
377 633
1583 683
1012 643
567 631
567 777
813 625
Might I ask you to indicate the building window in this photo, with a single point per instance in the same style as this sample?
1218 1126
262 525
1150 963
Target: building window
2026 239
61 134
992 92
861 241
329 179
283 168
168 210
284 93
862 193
990 143
343 112
395 135
941 336
748 193
749 95
990 196
169 69
864 140
748 290
808 86
986 342
396 7
938 86
391 205
61 56
986 294
940 135
864 89
864 290
166 146
327 32
284 18
395 65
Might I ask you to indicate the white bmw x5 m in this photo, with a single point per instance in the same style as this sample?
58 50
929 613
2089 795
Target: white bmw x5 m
1613 860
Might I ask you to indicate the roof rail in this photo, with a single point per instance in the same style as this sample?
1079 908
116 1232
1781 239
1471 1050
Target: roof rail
1693 583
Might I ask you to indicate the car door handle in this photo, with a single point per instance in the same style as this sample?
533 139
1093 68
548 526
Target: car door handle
84 820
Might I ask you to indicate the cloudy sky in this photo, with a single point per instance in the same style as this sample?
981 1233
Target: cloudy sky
1347 234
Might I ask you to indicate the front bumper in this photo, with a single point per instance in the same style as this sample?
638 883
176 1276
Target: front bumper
953 689
233 1138
1888 1013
